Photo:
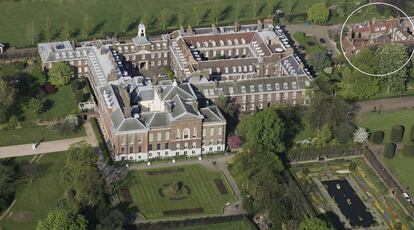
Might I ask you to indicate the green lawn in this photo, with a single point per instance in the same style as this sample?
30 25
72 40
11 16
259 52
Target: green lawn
27 134
310 43
106 15
60 104
35 200
402 167
201 191
385 120
243 224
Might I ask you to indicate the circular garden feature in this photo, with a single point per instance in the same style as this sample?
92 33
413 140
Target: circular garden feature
174 191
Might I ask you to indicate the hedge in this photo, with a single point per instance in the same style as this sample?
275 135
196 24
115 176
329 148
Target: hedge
101 142
389 150
377 137
408 150
397 133
412 133
313 152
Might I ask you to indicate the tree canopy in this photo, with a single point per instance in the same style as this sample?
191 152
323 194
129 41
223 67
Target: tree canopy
62 219
264 131
82 171
318 13
314 223
319 60
60 74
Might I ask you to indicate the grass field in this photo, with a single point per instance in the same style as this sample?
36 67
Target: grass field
244 224
27 134
402 167
202 191
385 120
35 200
106 15
60 104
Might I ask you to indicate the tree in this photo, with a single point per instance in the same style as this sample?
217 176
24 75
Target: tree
163 18
6 185
82 172
86 27
390 57
355 85
254 9
237 11
60 74
215 12
229 110
67 31
34 106
271 4
361 135
124 24
319 60
180 17
31 171
325 134
47 30
318 13
263 131
197 15
30 33
325 108
63 219
314 223
7 95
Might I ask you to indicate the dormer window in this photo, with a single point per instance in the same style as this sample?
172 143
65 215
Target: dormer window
269 87
252 88
294 85
260 88
277 86
243 89
285 85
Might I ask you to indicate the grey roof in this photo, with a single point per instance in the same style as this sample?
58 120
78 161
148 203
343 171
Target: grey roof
250 86
185 91
131 124
142 94
292 66
117 118
182 107
140 41
156 119
212 114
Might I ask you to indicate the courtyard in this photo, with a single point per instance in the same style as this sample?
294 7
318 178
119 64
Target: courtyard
176 191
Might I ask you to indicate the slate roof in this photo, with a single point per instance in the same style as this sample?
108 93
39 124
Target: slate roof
250 86
140 41
182 107
212 114
156 119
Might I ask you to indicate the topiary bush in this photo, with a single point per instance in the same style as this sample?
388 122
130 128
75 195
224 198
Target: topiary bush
408 150
397 133
412 133
377 137
389 150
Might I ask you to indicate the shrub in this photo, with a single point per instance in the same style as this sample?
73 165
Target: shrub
377 137
408 150
397 133
389 150
76 84
412 133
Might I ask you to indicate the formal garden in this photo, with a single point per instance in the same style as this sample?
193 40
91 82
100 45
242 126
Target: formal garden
37 190
173 192
37 108
394 130
372 191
